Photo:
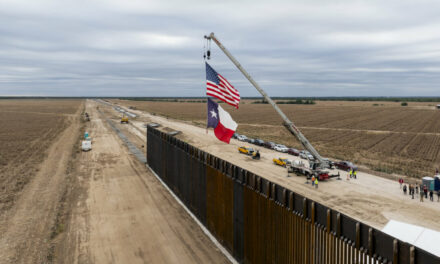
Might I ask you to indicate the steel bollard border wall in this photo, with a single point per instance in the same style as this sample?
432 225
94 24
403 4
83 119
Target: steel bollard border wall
360 238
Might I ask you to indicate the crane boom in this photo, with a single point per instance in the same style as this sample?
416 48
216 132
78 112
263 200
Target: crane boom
287 123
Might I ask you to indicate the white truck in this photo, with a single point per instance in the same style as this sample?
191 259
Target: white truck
298 167
86 145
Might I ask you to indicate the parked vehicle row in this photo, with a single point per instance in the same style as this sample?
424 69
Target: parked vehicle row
303 154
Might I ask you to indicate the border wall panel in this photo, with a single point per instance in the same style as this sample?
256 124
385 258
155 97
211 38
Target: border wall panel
238 221
219 213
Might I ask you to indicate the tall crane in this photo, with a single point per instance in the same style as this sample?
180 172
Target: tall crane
319 161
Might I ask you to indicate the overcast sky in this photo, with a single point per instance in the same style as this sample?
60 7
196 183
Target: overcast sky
155 48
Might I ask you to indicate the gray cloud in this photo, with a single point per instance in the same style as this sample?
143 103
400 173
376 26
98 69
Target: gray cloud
152 48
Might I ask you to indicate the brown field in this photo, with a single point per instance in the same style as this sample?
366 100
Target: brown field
27 128
385 137
54 196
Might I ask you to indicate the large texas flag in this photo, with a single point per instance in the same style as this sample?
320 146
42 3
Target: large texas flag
221 121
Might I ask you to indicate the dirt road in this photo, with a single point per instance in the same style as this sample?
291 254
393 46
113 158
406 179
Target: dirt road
124 215
371 199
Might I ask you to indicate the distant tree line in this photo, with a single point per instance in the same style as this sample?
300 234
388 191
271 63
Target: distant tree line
291 99
153 99
297 101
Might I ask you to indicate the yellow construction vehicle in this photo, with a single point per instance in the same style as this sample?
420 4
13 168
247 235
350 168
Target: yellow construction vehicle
246 150
124 119
281 161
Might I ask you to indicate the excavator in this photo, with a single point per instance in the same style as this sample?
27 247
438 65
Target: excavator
319 165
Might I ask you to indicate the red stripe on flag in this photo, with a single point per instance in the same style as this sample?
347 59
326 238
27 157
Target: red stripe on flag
218 94
226 96
231 88
222 133
227 90
223 91
221 98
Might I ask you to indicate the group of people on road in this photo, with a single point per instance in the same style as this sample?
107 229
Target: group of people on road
352 174
421 190
315 181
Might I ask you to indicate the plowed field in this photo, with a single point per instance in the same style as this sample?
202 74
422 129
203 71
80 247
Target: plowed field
382 136
27 129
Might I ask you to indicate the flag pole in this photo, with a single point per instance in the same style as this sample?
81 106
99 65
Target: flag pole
287 123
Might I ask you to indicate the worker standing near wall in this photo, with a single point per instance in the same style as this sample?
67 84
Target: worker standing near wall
313 181
316 183
355 174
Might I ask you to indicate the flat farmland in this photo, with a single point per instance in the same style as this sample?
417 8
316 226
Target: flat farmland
381 136
27 129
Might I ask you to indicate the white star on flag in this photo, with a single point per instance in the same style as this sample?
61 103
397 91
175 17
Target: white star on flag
213 114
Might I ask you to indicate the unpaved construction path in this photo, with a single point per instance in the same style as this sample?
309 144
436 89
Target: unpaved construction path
371 199
26 229
123 213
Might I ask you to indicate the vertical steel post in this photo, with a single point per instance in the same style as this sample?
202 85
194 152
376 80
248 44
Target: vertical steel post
412 255
395 251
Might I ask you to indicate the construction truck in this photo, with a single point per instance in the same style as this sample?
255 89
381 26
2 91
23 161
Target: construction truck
319 164
299 168
124 119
